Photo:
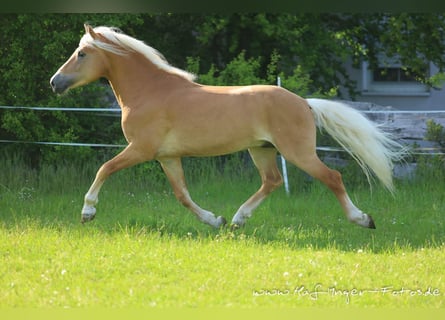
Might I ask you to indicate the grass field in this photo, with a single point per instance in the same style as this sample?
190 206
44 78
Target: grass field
145 250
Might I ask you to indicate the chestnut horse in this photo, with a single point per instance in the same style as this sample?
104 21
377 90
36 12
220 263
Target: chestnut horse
167 116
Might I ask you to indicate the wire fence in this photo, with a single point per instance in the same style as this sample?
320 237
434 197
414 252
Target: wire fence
116 112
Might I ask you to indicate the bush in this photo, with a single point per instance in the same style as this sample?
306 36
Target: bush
435 132
432 167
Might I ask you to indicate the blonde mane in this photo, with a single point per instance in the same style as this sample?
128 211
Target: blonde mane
121 44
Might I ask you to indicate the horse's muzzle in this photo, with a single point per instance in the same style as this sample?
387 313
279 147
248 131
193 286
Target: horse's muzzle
59 83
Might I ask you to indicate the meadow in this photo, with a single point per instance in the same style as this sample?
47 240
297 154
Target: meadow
144 250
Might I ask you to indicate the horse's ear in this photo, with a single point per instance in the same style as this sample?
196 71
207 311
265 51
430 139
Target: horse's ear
89 29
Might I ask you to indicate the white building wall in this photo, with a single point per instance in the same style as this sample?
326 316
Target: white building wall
399 98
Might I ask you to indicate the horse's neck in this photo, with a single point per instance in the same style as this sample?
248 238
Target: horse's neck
135 81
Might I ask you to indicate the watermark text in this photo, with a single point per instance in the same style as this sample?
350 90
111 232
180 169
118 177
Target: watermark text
318 291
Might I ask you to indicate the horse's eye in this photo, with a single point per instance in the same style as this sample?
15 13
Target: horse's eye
81 54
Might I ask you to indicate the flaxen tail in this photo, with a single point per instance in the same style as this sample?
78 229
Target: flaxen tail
374 150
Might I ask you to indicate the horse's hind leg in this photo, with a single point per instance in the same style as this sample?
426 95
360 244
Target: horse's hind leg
266 163
310 163
175 174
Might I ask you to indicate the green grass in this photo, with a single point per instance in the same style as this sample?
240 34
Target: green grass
145 250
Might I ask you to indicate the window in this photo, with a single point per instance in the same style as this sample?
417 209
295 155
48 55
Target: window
394 75
390 78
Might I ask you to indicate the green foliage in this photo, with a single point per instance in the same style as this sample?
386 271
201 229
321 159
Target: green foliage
436 80
427 165
435 132
242 71
239 71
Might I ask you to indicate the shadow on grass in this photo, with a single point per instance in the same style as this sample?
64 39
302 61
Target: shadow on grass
298 231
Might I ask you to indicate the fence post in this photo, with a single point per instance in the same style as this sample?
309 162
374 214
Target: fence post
283 161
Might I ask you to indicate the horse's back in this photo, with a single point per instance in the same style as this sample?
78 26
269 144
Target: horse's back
252 98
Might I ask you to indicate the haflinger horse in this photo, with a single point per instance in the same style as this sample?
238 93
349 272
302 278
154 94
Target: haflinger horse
167 116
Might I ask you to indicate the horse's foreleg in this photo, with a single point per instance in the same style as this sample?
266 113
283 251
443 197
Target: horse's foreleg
127 158
266 163
175 174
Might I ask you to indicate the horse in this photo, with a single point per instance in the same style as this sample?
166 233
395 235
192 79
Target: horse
166 115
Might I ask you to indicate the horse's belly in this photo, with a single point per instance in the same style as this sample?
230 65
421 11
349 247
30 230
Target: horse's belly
205 145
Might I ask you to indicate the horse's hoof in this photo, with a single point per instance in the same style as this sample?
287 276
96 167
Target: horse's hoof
371 224
87 218
221 222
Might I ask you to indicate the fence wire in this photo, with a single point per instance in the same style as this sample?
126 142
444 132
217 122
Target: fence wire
117 111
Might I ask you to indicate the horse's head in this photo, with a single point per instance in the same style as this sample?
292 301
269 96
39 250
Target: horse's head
86 64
